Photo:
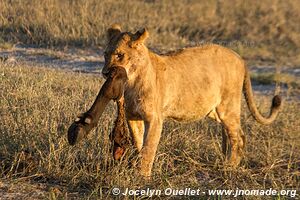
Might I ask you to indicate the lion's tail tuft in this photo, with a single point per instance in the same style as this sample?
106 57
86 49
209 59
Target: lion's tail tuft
275 107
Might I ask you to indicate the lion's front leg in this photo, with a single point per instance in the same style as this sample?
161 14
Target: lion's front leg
153 129
137 131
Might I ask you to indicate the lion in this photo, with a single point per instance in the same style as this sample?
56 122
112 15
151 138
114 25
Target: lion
185 85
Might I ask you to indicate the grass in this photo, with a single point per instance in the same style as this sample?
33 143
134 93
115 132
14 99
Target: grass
271 78
265 31
37 105
5 45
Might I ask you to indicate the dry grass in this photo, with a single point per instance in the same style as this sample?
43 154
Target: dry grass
271 78
258 30
37 105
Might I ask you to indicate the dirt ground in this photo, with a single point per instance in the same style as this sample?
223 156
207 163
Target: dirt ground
92 60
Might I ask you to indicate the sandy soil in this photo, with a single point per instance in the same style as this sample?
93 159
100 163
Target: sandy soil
88 60
91 61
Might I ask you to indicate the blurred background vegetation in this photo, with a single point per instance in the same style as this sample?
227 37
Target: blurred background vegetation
265 31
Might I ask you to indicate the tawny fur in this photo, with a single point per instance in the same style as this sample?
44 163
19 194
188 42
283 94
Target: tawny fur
186 85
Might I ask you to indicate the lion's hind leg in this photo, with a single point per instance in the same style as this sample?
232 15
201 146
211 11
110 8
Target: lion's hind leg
233 143
233 137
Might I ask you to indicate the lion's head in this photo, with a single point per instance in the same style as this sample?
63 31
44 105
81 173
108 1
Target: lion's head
125 49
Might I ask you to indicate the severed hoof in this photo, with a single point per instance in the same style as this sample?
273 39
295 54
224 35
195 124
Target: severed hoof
79 129
75 133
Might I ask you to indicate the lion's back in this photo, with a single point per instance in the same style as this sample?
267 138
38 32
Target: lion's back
198 76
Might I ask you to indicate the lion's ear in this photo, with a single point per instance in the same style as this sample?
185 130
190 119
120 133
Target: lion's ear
141 36
114 30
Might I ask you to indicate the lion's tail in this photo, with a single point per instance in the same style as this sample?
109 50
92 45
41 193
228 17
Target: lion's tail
275 107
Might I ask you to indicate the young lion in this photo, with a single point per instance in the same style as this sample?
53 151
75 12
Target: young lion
186 85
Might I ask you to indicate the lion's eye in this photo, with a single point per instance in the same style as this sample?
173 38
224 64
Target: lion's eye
120 56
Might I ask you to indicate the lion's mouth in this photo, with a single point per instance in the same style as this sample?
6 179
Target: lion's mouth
108 72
